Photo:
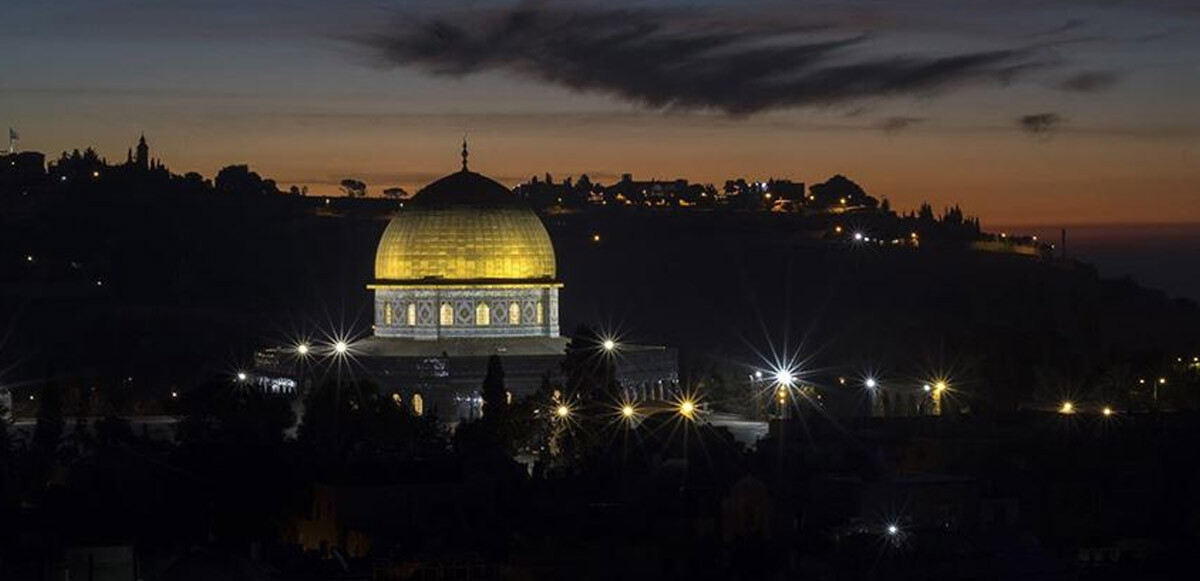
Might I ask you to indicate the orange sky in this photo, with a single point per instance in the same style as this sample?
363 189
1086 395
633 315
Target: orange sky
289 93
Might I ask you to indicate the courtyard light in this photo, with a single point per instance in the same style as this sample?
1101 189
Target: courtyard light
687 408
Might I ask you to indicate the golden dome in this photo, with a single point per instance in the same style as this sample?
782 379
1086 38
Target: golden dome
465 227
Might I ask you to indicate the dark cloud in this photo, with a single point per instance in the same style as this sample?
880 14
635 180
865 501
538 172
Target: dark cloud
678 60
898 124
1040 124
1069 26
1090 81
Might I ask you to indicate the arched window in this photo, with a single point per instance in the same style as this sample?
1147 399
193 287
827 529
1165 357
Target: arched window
514 313
540 317
387 313
411 315
447 315
418 404
483 315
508 397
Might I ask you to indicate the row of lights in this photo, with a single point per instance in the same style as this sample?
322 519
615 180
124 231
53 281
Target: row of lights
339 348
686 408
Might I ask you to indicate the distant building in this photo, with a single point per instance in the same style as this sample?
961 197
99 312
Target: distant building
139 157
21 170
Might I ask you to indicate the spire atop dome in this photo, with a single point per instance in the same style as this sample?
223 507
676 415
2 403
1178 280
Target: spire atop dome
464 153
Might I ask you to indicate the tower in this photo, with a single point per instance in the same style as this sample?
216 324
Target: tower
143 153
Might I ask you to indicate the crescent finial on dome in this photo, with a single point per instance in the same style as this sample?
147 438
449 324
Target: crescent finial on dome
464 153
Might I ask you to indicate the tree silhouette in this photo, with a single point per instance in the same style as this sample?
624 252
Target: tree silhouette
239 180
495 397
353 188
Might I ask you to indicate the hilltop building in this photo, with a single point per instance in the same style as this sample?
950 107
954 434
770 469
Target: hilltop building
21 170
465 270
139 158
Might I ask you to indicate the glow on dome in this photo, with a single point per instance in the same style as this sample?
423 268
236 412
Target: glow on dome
465 243
466 259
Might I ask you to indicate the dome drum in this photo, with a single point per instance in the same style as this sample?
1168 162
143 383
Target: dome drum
466 311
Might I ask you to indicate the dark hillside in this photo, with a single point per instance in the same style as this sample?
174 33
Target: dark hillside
167 288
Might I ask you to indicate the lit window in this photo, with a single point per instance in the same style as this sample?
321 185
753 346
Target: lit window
387 313
508 397
418 404
540 316
447 315
514 313
411 315
483 315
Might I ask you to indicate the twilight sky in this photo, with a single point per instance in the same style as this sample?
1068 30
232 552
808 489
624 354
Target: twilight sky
1023 111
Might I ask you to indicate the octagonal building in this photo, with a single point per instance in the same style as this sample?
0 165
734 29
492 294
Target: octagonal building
465 259
463 271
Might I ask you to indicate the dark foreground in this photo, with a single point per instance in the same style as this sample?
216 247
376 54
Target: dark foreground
1019 496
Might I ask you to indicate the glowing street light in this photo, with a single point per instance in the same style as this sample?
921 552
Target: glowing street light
628 411
785 377
341 347
1067 408
870 383
241 376
302 349
858 236
927 387
893 530
563 410
609 344
687 408
940 386
1107 411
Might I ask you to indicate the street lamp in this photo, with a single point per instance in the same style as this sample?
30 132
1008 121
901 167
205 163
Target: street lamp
302 349
939 387
563 411
609 344
874 397
1067 408
785 377
687 409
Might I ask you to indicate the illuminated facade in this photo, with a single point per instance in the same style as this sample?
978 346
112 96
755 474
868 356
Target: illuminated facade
466 270
466 259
